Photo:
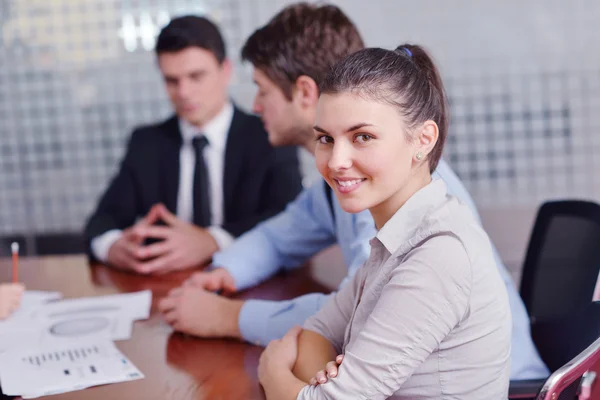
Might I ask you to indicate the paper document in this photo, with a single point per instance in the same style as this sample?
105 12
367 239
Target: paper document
33 298
14 327
40 371
91 318
109 317
132 305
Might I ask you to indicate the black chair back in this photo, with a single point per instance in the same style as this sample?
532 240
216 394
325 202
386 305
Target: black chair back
563 259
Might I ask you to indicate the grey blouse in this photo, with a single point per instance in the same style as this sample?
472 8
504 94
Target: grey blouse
426 317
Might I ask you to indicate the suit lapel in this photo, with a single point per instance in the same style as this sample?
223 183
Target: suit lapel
169 160
234 154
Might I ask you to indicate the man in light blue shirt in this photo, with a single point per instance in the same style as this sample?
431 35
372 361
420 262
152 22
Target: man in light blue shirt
287 98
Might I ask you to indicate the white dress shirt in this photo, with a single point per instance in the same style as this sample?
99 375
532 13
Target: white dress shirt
216 131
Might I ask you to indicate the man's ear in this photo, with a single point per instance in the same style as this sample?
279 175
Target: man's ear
306 92
227 68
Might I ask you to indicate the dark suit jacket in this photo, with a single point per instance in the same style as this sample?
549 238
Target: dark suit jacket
258 180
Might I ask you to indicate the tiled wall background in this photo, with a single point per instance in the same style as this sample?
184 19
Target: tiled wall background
523 77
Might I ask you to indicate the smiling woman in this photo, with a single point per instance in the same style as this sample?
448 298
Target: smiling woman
370 160
376 131
427 315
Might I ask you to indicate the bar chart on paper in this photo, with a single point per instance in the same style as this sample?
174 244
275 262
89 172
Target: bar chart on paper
50 370
69 355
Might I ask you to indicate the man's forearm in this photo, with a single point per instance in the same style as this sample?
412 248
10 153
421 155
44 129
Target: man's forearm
247 266
314 351
230 326
264 320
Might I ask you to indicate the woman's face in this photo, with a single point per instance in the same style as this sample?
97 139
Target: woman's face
364 154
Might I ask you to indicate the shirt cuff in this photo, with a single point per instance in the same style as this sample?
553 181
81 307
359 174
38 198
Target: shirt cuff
101 244
221 236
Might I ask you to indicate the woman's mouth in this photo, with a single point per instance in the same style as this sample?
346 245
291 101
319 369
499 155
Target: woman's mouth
348 185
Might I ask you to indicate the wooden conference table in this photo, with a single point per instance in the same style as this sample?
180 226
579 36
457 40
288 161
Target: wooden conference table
176 366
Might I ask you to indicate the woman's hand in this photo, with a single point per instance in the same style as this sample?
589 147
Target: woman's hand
279 355
330 371
276 364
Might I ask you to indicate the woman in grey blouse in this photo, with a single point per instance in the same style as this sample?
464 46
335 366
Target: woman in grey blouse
427 316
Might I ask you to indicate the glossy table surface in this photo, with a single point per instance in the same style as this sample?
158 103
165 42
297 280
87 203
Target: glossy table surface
176 366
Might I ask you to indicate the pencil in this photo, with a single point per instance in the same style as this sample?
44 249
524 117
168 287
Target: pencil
15 261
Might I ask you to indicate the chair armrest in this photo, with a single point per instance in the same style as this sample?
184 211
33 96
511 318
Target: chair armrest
525 389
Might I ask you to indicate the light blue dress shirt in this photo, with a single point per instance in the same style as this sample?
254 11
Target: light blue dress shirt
306 226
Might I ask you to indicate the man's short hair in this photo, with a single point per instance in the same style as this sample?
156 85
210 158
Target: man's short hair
302 39
191 31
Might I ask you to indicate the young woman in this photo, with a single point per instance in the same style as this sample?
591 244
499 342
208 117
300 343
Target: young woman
10 298
427 316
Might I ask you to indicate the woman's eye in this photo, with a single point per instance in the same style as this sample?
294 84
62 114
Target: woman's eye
362 138
324 139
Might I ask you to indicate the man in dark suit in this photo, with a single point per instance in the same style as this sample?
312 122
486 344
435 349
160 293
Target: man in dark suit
198 180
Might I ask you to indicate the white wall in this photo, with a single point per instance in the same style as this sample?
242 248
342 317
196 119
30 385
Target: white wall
523 78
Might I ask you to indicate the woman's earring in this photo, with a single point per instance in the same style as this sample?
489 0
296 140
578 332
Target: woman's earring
419 156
